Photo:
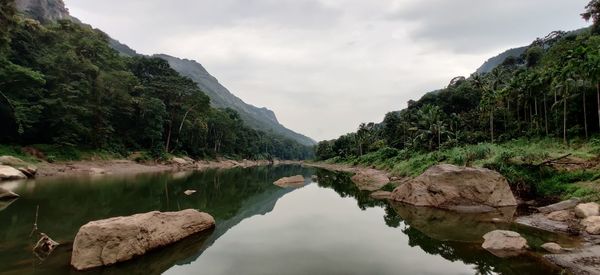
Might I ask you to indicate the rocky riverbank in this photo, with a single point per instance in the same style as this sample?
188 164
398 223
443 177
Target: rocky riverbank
123 167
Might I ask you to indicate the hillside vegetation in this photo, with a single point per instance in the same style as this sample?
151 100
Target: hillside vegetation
62 85
540 105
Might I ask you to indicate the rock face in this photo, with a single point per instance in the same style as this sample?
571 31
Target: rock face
10 173
6 195
585 210
370 179
452 187
504 243
295 181
43 10
114 240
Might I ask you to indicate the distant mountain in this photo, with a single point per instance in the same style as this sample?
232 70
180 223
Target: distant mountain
495 61
257 118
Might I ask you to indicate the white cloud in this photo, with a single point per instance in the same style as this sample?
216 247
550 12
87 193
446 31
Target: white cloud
325 66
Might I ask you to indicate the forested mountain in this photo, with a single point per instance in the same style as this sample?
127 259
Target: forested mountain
495 61
257 118
61 83
551 89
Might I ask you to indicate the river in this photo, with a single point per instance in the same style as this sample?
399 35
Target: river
323 227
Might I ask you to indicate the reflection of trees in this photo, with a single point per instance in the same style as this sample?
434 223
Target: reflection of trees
66 204
342 184
453 236
437 242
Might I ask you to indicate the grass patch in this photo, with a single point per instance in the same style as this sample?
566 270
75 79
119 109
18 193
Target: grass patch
515 160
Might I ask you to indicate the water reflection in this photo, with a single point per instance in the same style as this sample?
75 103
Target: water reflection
326 228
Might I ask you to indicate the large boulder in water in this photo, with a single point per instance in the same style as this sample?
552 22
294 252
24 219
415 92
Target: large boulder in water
114 240
10 173
504 243
287 182
457 188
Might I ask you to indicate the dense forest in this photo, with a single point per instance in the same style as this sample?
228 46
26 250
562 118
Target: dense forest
62 84
551 91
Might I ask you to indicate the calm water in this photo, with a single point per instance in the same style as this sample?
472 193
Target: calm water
327 227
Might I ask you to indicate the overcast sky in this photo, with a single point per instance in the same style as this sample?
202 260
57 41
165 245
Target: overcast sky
324 66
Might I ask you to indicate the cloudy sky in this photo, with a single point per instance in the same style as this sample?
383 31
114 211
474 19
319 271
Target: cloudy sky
324 66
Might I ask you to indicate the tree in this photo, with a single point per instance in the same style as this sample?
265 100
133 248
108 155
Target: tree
592 12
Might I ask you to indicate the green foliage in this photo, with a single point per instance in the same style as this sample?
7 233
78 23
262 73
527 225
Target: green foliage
62 84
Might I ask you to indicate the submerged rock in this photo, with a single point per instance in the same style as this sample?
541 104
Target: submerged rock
295 181
10 173
6 195
585 210
585 260
114 240
44 247
563 205
189 192
552 248
444 225
452 187
504 243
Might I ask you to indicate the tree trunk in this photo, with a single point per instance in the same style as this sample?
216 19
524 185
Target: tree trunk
585 125
492 124
169 136
565 120
598 97
545 115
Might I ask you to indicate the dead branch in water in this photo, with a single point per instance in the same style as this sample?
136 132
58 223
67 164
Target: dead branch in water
35 224
554 160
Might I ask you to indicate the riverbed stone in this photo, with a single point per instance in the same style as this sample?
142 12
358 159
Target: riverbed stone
295 181
561 216
503 243
591 225
552 248
109 241
10 173
452 187
179 161
563 205
585 210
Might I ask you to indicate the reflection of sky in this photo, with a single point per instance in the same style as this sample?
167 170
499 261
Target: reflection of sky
314 231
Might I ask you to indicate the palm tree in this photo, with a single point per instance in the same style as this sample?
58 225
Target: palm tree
492 89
